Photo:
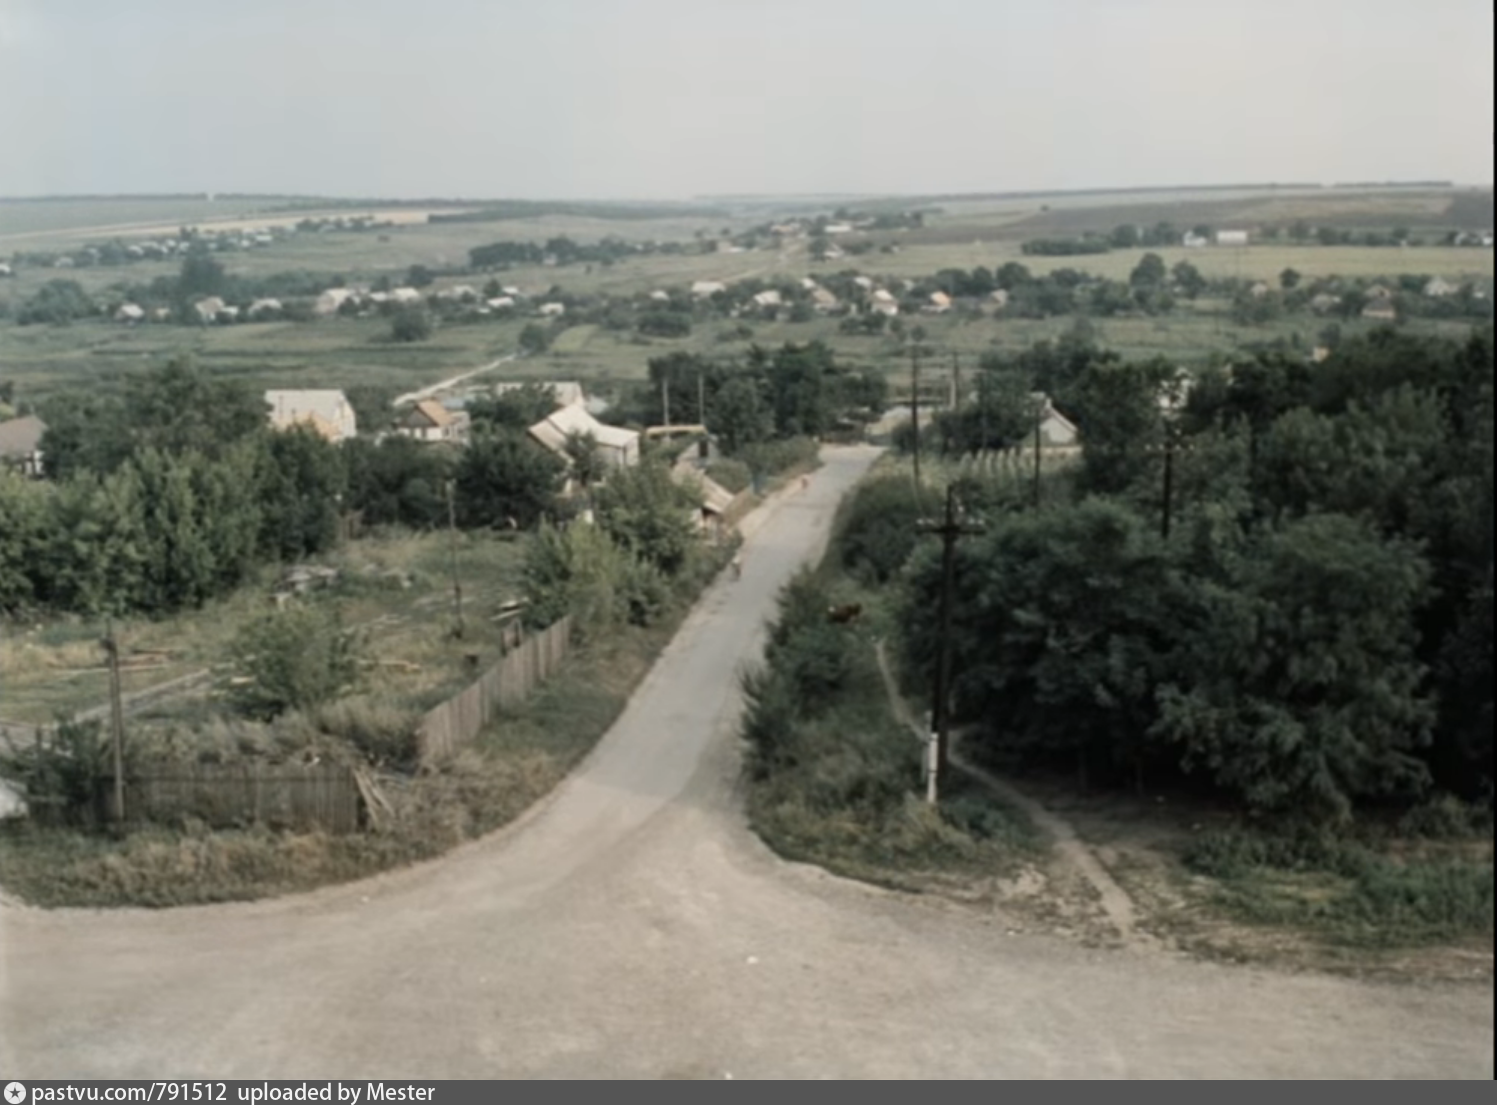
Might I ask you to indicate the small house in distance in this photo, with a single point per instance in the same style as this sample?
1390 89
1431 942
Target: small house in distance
20 444
1231 237
327 412
429 421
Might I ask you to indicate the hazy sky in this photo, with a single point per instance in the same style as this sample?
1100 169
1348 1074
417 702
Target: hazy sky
675 98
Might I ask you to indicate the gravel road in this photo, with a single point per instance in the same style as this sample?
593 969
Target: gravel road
631 927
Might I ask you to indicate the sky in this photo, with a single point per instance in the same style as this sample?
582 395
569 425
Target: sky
672 99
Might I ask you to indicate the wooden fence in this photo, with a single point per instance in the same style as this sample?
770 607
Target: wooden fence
278 796
457 721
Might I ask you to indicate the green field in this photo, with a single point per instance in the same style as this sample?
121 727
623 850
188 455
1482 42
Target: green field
959 233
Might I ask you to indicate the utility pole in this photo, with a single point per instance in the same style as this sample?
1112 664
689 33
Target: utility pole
949 529
701 401
915 406
457 587
956 381
116 724
665 400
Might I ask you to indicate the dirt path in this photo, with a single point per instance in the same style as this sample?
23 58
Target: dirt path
632 927
433 389
1068 847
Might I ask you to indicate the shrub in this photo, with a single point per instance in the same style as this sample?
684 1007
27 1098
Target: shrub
293 659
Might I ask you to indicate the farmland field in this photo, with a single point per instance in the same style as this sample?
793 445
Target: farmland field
958 233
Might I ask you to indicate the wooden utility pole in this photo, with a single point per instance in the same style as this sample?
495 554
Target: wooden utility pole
457 587
949 529
915 406
116 724
665 401
701 401
956 381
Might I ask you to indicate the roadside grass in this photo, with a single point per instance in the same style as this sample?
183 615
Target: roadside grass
1369 891
834 777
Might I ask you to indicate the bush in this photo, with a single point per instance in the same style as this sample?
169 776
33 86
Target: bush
877 531
293 659
63 773
410 324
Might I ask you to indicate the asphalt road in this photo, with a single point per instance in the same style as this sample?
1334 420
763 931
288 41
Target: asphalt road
632 927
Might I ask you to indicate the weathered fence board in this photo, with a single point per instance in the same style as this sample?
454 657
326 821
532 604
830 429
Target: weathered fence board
454 723
279 796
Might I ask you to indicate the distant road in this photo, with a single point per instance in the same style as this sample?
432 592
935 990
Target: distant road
428 392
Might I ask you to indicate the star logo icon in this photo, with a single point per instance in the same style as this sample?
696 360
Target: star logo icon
15 1093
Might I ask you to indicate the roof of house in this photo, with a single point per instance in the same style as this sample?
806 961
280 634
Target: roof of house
432 411
19 437
716 499
553 430
327 410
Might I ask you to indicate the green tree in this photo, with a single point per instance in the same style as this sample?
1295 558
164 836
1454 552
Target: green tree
1150 272
1299 689
200 275
25 507
410 324
739 414
502 477
1067 622
535 339
293 659
647 513
398 481
514 408
302 481
57 302
1289 279
1188 279
587 463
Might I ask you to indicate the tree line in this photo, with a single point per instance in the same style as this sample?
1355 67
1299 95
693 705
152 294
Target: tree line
1283 588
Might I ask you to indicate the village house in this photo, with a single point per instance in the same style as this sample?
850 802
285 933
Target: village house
885 303
327 412
768 298
939 303
20 444
1380 310
209 309
264 308
331 301
130 313
551 310
618 447
704 288
430 421
1438 288
1325 303
1231 237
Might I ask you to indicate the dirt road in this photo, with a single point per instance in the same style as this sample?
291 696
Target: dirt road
634 928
